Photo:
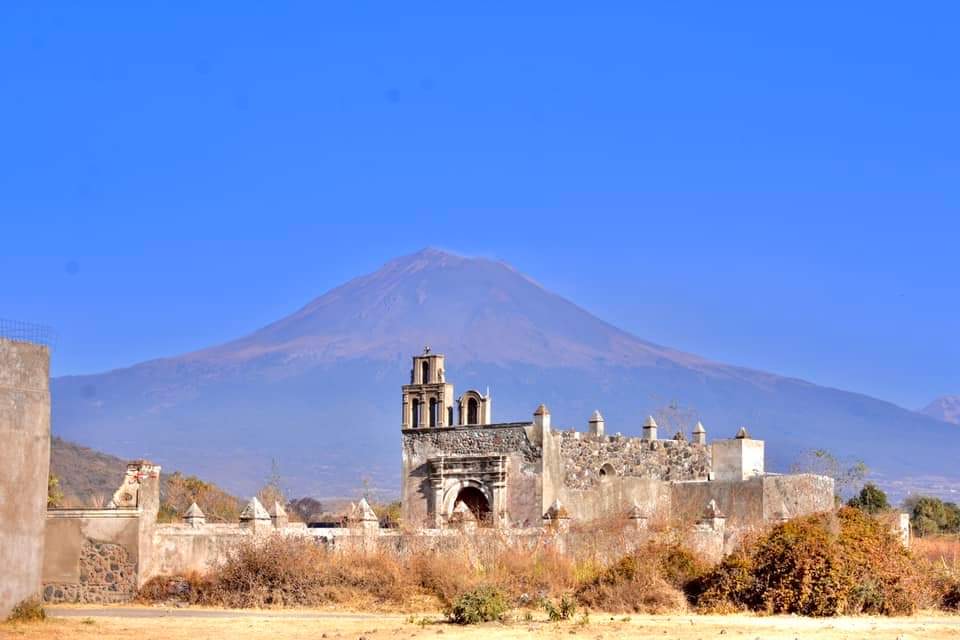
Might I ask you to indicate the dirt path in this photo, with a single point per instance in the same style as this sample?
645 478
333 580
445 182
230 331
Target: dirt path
148 623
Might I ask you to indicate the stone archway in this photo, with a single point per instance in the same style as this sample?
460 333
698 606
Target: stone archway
476 500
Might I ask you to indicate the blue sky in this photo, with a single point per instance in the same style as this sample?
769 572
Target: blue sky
769 186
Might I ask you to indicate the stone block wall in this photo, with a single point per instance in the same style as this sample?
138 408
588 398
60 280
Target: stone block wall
108 574
583 456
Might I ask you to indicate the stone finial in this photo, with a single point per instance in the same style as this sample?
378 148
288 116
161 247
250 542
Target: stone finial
279 515
650 429
556 511
194 516
699 433
541 420
597 424
362 514
637 516
254 511
712 511
742 434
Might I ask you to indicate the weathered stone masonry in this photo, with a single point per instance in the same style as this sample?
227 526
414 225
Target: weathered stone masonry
585 456
517 474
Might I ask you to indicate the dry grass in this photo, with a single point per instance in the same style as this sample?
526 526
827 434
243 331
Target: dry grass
419 571
944 550
311 626
939 559
823 565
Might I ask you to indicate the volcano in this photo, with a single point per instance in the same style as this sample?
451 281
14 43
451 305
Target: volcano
318 391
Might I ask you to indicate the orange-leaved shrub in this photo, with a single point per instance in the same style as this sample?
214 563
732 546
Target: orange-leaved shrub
821 565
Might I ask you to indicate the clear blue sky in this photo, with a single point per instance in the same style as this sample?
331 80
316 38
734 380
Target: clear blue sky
771 186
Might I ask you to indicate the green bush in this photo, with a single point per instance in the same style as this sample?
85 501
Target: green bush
564 611
483 604
930 515
871 499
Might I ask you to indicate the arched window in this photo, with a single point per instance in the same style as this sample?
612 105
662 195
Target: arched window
415 413
473 411
424 372
434 412
449 416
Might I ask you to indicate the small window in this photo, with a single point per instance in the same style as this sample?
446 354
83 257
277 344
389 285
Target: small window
425 372
606 472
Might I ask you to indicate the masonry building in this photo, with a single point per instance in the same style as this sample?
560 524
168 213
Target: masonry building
516 474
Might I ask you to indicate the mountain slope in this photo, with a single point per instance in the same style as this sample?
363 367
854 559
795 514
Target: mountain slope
946 408
85 475
319 389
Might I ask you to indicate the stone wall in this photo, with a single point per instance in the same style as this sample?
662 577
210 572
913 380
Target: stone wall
83 547
108 574
584 456
24 467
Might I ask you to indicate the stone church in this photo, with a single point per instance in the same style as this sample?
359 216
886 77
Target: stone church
517 474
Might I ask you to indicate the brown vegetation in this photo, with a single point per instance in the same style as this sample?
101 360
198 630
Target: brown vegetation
180 491
820 565
824 565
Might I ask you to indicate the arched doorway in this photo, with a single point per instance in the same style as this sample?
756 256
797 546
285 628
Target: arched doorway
477 502
472 412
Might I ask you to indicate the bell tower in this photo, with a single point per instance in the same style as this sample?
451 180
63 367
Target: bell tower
428 399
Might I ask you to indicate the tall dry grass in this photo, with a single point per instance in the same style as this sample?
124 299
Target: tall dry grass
939 559
826 564
411 572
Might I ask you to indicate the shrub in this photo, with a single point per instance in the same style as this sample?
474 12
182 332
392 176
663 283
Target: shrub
29 610
730 586
564 611
930 516
819 565
632 584
871 499
483 604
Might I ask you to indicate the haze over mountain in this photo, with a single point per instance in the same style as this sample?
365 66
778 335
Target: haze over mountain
319 390
946 408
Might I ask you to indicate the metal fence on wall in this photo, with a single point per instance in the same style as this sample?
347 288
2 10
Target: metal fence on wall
27 332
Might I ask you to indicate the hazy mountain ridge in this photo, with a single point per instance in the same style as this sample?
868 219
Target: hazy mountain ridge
946 408
319 389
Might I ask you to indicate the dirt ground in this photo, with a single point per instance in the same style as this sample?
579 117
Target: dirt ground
147 623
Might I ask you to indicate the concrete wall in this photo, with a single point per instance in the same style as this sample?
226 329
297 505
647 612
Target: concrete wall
616 496
24 468
180 549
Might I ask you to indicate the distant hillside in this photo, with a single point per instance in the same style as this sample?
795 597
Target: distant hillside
319 390
946 408
84 473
